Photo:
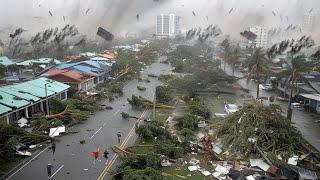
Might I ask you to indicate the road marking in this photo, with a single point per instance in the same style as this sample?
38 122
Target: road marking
115 156
104 124
98 130
56 171
92 136
27 163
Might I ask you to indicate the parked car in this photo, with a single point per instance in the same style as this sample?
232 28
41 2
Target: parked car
230 108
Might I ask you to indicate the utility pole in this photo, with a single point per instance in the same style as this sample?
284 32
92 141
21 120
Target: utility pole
47 101
154 106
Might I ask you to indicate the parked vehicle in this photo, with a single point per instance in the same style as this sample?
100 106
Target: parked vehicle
230 108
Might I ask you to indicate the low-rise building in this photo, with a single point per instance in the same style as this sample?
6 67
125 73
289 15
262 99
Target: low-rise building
26 99
77 80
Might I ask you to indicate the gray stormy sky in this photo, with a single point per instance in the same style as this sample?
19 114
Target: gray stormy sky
119 16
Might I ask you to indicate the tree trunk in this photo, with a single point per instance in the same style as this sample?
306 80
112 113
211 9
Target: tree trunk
258 83
257 89
224 65
289 111
233 67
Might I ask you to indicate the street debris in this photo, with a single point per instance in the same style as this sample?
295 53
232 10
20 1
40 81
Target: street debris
24 153
105 34
141 88
248 35
23 122
56 131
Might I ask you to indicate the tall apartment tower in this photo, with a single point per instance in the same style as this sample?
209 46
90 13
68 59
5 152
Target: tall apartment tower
262 36
168 25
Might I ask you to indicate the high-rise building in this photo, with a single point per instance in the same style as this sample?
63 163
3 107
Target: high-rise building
309 20
262 36
168 25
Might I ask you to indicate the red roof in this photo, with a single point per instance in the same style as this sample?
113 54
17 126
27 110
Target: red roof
67 76
108 55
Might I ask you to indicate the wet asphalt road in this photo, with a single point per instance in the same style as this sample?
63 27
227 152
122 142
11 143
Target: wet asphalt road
303 120
73 160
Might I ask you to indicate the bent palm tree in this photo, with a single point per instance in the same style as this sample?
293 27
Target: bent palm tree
295 72
257 66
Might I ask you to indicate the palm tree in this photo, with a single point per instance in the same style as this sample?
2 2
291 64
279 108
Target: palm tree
295 72
234 57
226 48
257 65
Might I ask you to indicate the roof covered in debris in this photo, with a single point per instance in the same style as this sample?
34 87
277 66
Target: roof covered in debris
4 60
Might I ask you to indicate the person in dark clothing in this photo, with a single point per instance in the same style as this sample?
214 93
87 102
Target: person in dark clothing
119 137
53 147
49 170
105 154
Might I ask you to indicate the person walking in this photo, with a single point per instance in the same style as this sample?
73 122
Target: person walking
105 155
49 170
119 137
53 147
96 154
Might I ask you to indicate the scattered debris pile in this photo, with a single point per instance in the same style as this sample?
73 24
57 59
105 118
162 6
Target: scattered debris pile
260 131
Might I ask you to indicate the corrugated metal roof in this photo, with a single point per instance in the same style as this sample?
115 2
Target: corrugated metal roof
4 109
39 61
75 75
93 63
34 90
52 85
37 87
4 60
99 59
19 93
12 101
88 70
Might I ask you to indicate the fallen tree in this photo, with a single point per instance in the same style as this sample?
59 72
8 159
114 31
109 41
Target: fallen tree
140 102
257 128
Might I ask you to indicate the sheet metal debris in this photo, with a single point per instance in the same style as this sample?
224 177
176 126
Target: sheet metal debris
105 34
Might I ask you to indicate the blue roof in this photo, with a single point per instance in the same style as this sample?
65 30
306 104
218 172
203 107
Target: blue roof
4 60
93 63
87 70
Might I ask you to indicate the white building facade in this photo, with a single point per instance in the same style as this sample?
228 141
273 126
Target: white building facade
262 36
168 25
